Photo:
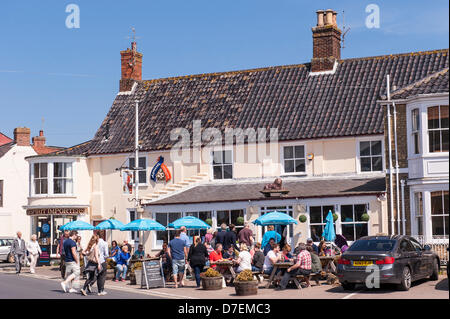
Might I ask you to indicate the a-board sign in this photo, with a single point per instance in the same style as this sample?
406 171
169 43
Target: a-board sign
152 274
44 258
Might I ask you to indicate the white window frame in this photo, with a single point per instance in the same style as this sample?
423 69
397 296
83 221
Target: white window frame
440 129
68 180
358 156
283 172
141 170
226 149
443 214
50 191
323 223
416 131
354 222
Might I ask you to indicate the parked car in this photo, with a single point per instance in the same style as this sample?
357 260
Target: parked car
401 260
447 264
5 249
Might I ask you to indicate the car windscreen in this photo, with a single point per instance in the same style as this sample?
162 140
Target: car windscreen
372 245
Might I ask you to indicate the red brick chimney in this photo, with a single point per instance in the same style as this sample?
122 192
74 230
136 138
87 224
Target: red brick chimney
22 136
39 141
131 66
326 41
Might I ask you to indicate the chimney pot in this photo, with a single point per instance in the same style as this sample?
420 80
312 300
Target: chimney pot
335 18
320 14
329 17
41 133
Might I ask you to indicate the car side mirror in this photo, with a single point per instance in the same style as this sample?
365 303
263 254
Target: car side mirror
426 247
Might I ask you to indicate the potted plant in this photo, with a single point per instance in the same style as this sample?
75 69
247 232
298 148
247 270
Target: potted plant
136 273
245 284
335 217
302 218
208 221
240 221
365 217
211 280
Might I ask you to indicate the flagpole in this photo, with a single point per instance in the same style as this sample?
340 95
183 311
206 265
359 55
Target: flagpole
136 166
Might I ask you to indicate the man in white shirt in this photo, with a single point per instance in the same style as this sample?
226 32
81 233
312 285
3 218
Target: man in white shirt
271 258
102 253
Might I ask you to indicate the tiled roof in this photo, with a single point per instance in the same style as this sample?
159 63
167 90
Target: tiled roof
42 150
77 150
297 189
5 148
301 106
435 83
4 139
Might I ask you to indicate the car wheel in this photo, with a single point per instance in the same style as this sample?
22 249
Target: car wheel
10 258
405 283
348 286
435 273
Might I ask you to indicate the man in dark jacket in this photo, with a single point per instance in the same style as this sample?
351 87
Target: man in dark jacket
258 258
230 238
220 237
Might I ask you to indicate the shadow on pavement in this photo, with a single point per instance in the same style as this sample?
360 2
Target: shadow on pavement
384 288
442 285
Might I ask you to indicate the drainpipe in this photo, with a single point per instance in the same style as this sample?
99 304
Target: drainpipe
396 169
403 206
390 156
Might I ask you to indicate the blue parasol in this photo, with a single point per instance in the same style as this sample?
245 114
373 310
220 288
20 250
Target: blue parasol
190 222
275 218
77 225
109 224
142 225
328 233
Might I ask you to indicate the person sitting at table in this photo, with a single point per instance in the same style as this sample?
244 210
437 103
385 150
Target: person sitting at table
140 253
245 259
301 267
122 264
229 253
270 233
316 264
258 258
272 257
323 249
286 253
115 250
215 255
269 246
315 249
165 260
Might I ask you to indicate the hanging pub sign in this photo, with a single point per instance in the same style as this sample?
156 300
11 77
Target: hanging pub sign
128 182
160 172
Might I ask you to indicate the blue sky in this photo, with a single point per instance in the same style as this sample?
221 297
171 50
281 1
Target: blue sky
70 77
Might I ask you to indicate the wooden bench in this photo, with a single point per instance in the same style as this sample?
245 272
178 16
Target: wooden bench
257 274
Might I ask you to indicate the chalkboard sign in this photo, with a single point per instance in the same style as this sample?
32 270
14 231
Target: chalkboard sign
152 274
44 258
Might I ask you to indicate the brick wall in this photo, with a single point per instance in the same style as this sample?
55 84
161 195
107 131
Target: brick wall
131 68
326 47
22 136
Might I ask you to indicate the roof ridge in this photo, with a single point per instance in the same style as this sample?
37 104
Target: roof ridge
287 66
418 82
69 148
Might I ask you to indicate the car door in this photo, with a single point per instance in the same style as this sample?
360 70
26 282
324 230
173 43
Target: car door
3 249
426 258
410 257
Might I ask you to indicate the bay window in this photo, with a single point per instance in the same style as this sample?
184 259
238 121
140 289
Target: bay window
52 178
438 128
439 214
62 178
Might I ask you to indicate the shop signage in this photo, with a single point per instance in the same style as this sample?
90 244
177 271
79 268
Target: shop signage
44 258
160 172
152 274
56 211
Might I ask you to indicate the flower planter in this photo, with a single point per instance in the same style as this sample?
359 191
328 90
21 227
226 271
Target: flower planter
136 278
212 283
246 288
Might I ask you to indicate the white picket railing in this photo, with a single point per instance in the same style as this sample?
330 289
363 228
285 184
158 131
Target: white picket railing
439 247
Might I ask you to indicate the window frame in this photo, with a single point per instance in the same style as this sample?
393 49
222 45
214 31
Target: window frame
50 178
354 222
283 159
442 214
417 131
141 170
324 222
439 129
358 155
222 164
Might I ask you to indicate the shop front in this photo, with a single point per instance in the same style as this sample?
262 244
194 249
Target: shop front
46 222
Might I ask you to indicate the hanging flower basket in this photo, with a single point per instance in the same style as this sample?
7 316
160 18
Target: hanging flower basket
365 217
240 221
208 221
335 217
302 218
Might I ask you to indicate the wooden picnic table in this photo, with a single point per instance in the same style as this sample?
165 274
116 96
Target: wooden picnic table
281 265
227 264
328 263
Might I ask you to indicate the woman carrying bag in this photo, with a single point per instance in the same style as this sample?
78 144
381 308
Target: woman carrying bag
93 265
34 250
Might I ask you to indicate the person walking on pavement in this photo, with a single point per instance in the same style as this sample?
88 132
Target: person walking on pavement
72 263
18 249
34 250
185 238
93 266
60 250
177 254
102 254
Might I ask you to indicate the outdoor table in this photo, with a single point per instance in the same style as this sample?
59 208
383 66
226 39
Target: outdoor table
227 264
281 265
328 263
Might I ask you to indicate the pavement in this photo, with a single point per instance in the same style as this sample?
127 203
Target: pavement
423 289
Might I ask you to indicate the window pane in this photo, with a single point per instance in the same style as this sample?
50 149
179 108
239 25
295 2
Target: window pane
217 172
444 140
58 170
415 119
173 217
446 202
235 214
438 225
377 163
217 157
359 211
419 225
433 117
43 185
59 186
444 116
142 177
289 166
326 210
204 215
300 151
360 231
316 232
364 148
37 186
315 214
142 162
348 231
227 157
300 165
288 152
43 170
416 143
366 164
227 171
222 217
376 148
131 162
36 170
436 203
435 141
347 213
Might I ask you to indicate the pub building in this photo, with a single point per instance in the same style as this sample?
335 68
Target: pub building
329 151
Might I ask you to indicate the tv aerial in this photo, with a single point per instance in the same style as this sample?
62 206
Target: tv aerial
344 29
